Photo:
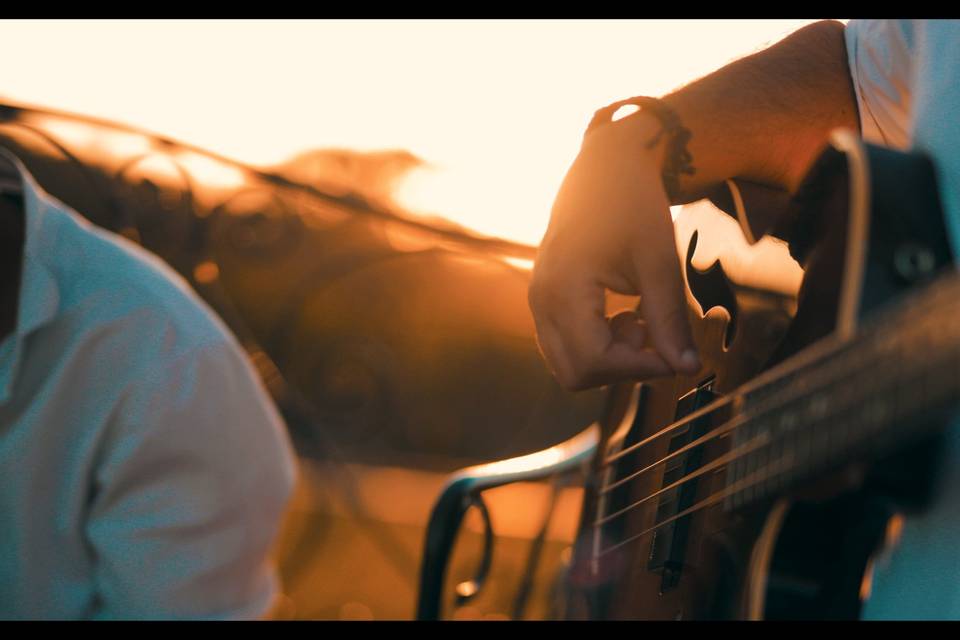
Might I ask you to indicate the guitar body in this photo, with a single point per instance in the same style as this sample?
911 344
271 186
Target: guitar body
672 526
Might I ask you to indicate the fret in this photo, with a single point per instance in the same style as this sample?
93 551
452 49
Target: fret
789 421
854 399
762 462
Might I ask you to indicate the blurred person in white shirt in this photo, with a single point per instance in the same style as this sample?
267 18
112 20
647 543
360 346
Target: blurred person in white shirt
145 469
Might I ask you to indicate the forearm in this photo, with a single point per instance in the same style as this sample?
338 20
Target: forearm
764 118
761 119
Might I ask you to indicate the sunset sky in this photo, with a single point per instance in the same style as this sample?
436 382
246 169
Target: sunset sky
496 107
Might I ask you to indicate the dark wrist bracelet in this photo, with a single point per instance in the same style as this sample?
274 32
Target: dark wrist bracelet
677 159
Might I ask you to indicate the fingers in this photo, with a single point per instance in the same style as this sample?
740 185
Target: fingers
586 350
656 267
611 228
627 327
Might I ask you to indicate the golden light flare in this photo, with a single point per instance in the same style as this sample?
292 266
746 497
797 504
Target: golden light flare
109 142
492 198
520 263
206 272
209 172
497 107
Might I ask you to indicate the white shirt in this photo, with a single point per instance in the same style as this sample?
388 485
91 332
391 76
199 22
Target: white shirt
906 74
144 468
907 78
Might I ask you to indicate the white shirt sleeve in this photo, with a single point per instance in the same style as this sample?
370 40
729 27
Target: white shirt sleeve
189 493
905 74
880 56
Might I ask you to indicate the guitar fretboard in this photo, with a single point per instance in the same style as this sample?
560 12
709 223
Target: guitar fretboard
859 399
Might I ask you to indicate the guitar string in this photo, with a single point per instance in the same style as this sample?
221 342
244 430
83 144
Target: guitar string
724 428
682 422
717 432
919 332
841 369
722 461
745 449
821 350
761 439
829 348
741 485
756 478
741 420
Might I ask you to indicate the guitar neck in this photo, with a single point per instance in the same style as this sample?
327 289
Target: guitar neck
856 400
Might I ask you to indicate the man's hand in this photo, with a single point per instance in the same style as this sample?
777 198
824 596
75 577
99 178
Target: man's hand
762 119
611 229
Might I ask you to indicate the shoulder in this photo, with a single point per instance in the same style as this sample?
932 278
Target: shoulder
188 462
104 280
164 349
881 56
131 330
884 50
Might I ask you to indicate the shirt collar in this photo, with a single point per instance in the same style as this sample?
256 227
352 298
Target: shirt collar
39 294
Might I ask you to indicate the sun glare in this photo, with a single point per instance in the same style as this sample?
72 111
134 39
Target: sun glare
495 108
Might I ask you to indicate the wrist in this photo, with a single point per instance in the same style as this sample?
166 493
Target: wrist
655 128
637 130
626 139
